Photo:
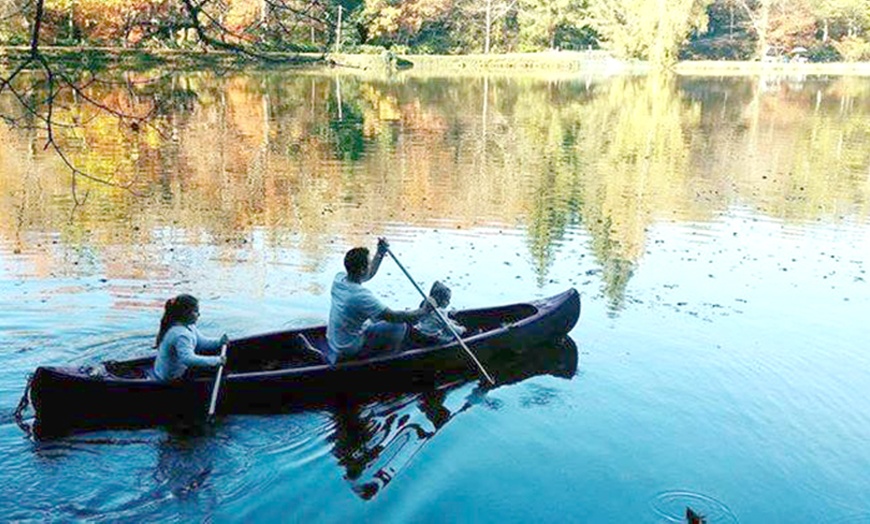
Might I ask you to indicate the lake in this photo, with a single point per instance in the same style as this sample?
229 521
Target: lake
717 229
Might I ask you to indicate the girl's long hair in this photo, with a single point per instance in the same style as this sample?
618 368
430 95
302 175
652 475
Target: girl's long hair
178 310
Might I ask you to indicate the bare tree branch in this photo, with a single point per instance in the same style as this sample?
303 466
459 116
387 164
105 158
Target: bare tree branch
39 83
18 12
194 12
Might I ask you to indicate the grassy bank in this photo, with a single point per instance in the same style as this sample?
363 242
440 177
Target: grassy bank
732 68
591 62
559 63
139 59
522 63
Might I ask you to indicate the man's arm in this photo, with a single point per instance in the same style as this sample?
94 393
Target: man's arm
407 316
376 260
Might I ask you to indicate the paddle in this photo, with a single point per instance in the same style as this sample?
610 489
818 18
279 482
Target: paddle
217 384
443 320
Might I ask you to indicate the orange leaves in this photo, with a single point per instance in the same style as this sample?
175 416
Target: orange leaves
103 22
392 17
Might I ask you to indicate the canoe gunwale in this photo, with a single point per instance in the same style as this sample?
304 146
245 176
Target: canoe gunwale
553 318
543 308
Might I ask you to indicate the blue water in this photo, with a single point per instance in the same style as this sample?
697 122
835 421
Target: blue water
725 370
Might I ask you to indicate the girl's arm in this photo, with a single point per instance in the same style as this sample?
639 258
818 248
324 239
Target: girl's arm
460 329
208 345
186 349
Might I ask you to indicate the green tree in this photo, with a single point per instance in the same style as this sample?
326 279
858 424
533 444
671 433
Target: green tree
839 18
647 29
484 21
728 35
548 23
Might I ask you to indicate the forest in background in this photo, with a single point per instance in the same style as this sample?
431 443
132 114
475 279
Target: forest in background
660 31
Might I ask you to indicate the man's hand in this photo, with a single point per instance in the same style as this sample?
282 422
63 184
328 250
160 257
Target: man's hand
224 339
383 246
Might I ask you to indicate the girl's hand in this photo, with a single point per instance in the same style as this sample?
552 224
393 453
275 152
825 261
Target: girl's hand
430 305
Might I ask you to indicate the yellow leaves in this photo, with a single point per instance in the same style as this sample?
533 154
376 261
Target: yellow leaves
240 14
647 29
264 153
386 21
390 17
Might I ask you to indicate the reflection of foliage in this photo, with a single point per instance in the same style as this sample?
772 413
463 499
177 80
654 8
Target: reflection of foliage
765 128
67 106
617 271
232 156
348 133
554 206
637 135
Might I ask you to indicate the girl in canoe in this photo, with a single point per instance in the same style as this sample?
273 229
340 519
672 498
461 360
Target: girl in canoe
431 328
179 340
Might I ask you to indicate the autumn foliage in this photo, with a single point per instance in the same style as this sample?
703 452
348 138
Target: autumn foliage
661 31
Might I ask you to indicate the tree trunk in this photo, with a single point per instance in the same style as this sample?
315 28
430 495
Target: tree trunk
37 25
763 27
338 32
488 26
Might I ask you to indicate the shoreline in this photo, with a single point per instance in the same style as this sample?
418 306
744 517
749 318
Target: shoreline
593 62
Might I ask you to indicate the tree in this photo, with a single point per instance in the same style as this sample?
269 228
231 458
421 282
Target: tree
778 23
647 29
839 18
542 21
401 21
491 11
727 35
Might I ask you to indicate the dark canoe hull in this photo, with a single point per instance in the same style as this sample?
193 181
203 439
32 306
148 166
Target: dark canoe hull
276 371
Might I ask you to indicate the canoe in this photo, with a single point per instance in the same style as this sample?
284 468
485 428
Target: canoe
285 369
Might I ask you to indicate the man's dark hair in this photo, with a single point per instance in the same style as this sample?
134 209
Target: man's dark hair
356 262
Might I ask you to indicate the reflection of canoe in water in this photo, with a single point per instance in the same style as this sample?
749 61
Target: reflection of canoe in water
277 370
374 439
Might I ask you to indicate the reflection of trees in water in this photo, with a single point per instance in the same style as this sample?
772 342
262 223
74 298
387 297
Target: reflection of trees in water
554 209
639 147
611 162
346 126
305 157
374 440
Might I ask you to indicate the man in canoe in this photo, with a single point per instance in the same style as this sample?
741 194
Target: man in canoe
359 322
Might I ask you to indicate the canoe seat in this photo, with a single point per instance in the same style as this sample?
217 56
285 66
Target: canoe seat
133 369
308 346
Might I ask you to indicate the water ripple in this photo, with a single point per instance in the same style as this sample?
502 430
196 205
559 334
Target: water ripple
672 507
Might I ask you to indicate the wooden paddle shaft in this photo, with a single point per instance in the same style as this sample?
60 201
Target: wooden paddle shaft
443 320
217 384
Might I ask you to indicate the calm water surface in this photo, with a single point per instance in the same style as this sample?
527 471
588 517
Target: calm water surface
717 228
